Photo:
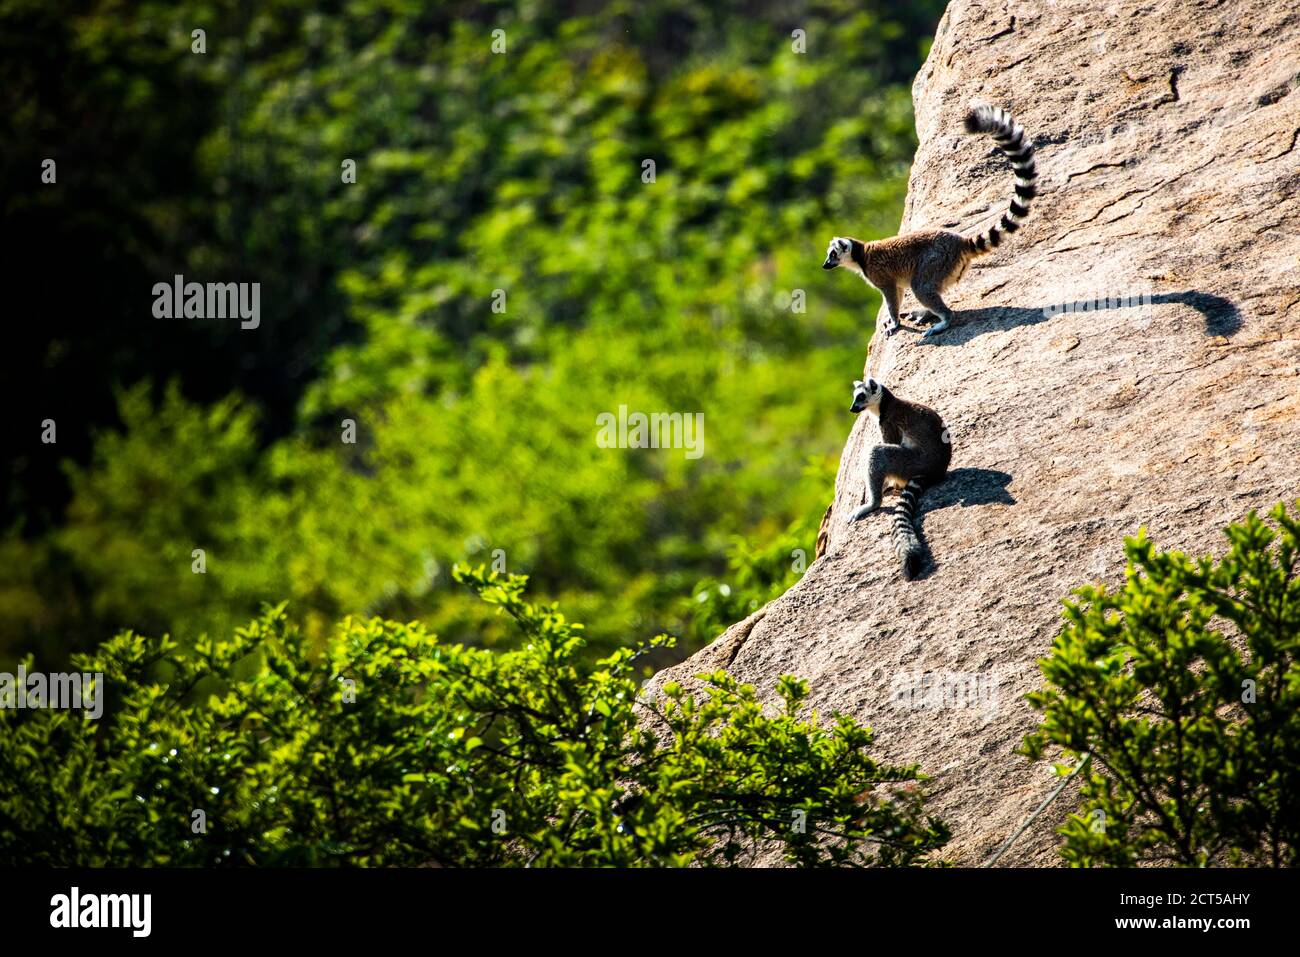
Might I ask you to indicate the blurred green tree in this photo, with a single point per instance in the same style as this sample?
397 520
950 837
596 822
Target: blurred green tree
510 180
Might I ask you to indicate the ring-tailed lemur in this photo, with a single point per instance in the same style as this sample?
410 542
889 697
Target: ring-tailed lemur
933 259
915 453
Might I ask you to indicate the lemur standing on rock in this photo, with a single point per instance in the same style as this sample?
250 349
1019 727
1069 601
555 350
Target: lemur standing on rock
933 259
915 453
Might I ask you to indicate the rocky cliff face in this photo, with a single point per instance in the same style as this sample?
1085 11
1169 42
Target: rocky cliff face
1129 358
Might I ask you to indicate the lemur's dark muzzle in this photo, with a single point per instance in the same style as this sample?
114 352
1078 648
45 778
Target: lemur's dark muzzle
828 264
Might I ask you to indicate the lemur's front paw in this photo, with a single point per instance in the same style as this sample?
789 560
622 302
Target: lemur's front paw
863 512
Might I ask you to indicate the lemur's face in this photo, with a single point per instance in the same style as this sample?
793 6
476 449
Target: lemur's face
837 253
865 395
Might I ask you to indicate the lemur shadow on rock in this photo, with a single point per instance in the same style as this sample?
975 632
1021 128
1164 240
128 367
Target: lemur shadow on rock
969 487
1221 317
966 487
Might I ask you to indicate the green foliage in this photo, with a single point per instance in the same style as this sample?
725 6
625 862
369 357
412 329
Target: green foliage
476 429
1185 687
444 755
757 574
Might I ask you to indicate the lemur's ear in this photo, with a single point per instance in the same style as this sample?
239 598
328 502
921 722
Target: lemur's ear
859 384
873 385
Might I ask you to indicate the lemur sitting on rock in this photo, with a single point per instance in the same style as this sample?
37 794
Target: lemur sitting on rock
914 454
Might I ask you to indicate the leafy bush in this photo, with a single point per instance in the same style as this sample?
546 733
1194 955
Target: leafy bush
391 748
1185 689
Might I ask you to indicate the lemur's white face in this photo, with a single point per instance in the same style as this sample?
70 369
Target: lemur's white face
866 395
837 253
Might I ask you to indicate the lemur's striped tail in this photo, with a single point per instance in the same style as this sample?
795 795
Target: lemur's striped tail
1010 138
907 544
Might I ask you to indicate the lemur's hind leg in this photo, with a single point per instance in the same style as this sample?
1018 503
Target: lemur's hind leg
886 461
938 269
927 294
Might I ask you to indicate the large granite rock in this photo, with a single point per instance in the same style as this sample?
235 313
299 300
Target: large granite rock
1167 137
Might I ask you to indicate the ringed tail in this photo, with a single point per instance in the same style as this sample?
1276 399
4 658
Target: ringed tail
907 544
1010 139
